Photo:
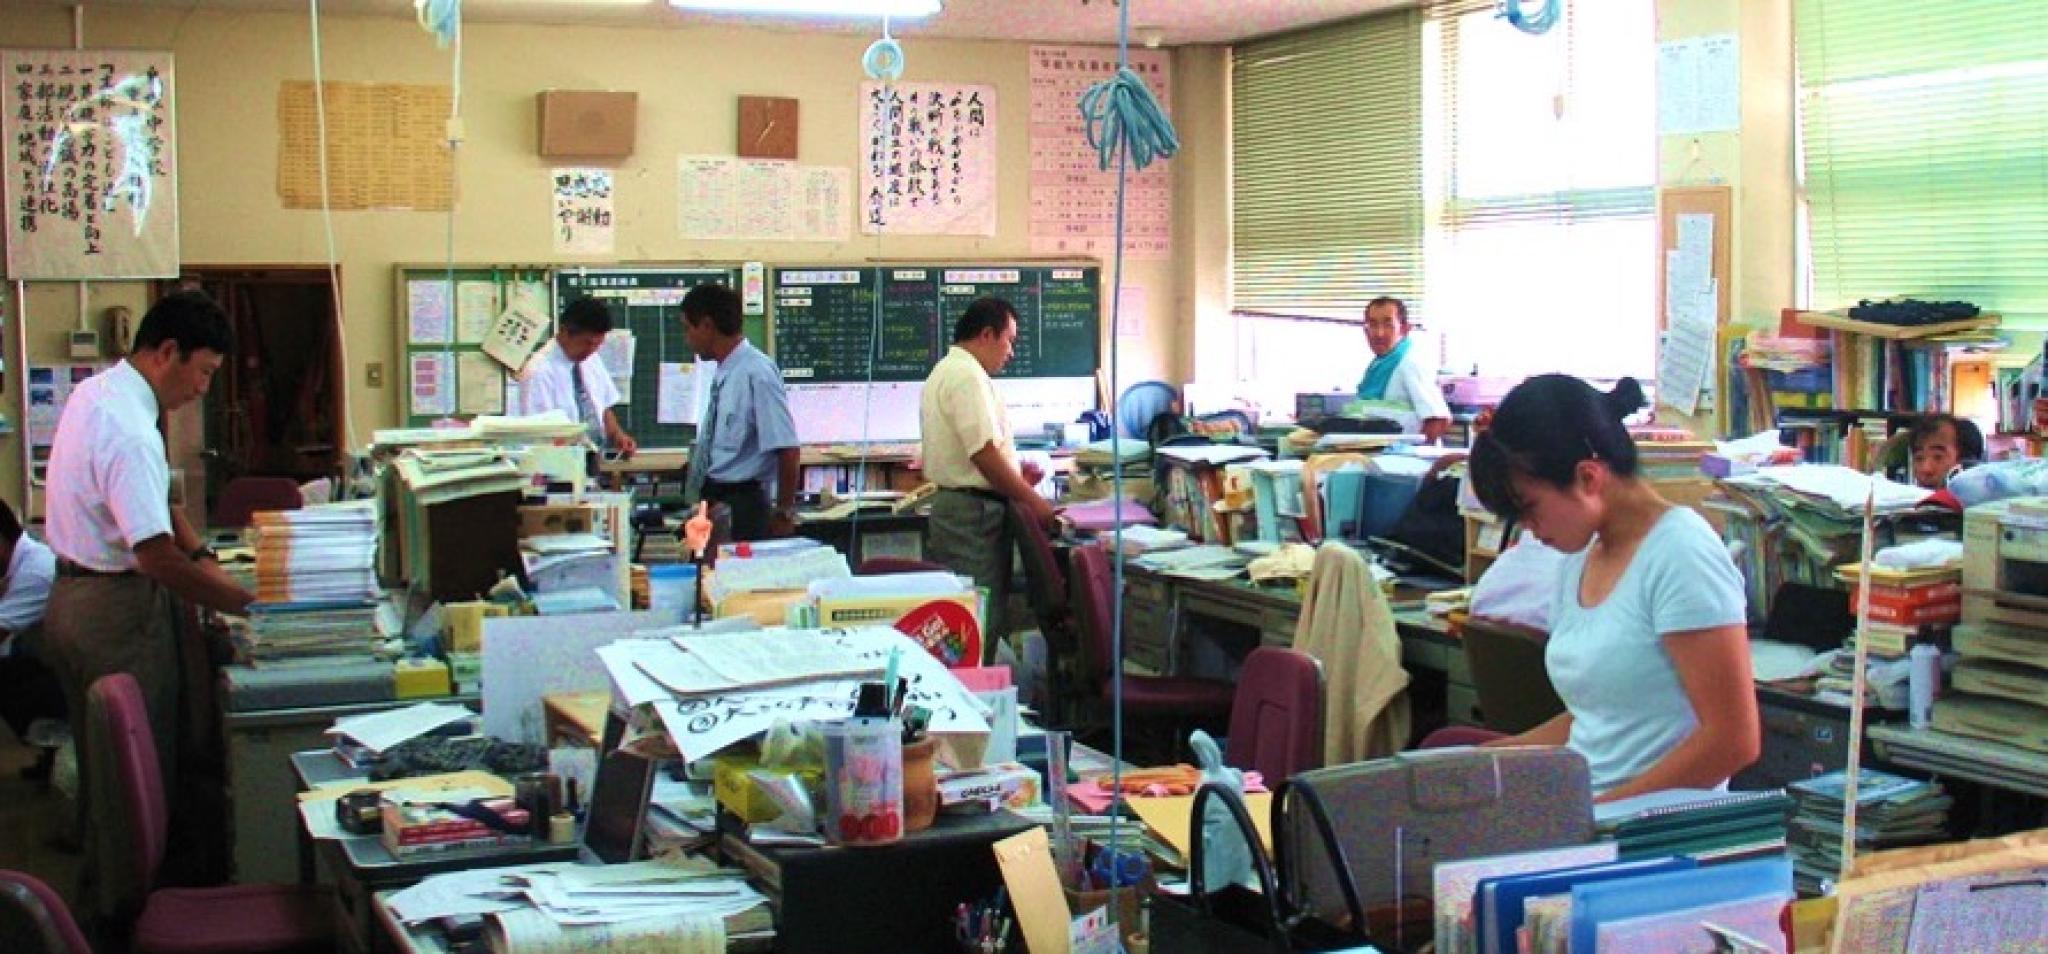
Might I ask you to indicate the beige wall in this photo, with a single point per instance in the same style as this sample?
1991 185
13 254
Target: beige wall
229 66
1755 160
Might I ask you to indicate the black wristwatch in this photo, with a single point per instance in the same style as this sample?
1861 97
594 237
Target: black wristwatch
205 553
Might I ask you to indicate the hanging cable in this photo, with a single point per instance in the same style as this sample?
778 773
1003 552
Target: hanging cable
1544 18
883 63
327 225
1123 118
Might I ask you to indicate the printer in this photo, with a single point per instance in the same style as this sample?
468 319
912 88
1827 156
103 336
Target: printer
1999 685
2005 562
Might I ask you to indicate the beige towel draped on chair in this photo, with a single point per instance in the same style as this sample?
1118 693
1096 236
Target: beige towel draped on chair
1346 623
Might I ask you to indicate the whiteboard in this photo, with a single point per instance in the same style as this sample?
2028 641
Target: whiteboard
887 411
94 195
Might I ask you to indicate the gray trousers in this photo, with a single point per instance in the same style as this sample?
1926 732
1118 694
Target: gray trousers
96 626
971 535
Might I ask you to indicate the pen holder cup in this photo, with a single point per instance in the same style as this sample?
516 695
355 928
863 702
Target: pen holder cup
920 784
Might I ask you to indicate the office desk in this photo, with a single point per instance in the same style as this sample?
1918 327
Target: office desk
1162 614
361 866
1989 763
420 939
873 535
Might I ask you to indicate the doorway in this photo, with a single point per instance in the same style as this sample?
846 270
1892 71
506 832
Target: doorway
276 406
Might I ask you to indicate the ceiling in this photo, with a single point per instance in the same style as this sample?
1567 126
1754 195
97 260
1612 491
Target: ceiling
1065 21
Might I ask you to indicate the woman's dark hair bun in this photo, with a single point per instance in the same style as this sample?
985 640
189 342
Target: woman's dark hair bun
1625 399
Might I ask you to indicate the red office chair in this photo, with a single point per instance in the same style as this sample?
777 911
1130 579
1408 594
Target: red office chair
242 918
884 566
1276 717
1452 736
34 920
1047 593
243 497
1169 700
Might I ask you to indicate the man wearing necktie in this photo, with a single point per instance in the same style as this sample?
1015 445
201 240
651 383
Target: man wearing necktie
568 376
747 450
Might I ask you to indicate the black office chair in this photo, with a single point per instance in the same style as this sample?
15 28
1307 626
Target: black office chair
1515 694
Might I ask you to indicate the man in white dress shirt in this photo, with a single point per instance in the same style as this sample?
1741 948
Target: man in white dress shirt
1398 375
568 376
28 690
124 554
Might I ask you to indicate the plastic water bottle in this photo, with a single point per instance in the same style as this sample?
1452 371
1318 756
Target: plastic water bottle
1923 683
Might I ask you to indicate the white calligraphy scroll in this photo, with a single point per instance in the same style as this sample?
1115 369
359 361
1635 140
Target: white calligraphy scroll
91 172
928 159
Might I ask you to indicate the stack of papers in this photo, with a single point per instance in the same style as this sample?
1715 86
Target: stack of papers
645 905
551 425
360 739
439 476
1891 811
276 633
1207 562
1142 540
317 554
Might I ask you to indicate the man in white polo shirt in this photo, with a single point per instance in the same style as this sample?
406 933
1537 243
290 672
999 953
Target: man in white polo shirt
123 554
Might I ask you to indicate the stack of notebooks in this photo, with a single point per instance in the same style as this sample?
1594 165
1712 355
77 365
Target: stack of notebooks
316 585
321 553
1665 453
1582 899
1890 812
1705 824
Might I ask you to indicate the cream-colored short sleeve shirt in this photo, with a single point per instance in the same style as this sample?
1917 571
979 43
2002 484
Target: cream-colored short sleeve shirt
959 415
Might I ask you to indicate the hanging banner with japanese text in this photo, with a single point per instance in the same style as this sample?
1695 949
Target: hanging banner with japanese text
91 173
928 159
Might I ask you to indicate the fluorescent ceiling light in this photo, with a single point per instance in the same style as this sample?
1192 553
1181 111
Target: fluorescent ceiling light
815 8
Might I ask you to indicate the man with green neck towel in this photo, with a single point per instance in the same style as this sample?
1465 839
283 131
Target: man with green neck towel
1395 374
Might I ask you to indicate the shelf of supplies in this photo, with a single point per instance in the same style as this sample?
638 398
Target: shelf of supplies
1838 322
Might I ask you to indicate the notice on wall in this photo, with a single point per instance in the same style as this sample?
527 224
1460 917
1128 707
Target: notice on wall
928 163
515 336
1685 365
480 384
429 310
1699 85
1073 200
431 383
683 392
387 146
91 171
583 211
725 197
476 304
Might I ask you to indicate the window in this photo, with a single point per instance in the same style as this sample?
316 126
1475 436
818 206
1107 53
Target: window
1924 142
1540 183
1326 197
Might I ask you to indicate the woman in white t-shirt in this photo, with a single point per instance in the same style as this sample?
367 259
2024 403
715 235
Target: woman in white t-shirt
1648 646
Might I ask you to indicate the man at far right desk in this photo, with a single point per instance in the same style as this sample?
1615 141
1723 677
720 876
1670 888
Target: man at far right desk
970 453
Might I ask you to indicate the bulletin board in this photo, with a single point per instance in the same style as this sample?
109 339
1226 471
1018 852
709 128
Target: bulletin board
443 371
1675 207
646 300
1716 201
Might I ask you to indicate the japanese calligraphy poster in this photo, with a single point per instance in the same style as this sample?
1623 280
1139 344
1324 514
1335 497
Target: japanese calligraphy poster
583 211
91 172
725 197
928 159
1073 200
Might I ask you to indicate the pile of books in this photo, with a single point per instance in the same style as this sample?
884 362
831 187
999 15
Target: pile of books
316 584
415 828
1704 824
1906 606
1668 453
1891 811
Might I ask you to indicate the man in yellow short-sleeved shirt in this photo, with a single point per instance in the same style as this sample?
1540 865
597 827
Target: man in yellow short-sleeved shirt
970 453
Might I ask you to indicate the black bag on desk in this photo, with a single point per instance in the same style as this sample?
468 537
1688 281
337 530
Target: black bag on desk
1235 919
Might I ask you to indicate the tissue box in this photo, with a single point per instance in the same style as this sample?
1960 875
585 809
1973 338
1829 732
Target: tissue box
420 678
737 793
1003 785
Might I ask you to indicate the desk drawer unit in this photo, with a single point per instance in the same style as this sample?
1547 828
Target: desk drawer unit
1797 745
1148 624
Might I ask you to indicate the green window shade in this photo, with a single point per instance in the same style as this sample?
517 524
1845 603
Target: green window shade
1925 138
1326 174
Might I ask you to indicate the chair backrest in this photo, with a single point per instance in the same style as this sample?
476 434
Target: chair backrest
884 566
1514 689
1048 586
1141 402
34 920
1453 736
1094 587
121 720
1276 718
243 497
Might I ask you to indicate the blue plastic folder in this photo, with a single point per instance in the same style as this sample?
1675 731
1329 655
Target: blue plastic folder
1500 908
1673 891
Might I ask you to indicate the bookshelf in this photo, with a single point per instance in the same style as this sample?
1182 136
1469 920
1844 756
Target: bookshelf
1834 321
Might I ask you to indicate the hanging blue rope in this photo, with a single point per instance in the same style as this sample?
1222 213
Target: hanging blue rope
1122 114
442 18
1541 22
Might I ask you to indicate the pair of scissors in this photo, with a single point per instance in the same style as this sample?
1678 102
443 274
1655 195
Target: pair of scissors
1117 867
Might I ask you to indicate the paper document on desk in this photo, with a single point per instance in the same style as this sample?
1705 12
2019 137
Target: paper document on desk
1215 455
778 571
528 931
381 730
768 658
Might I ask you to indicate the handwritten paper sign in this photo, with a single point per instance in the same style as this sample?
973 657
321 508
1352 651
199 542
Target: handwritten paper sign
583 211
702 724
91 177
514 336
928 163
